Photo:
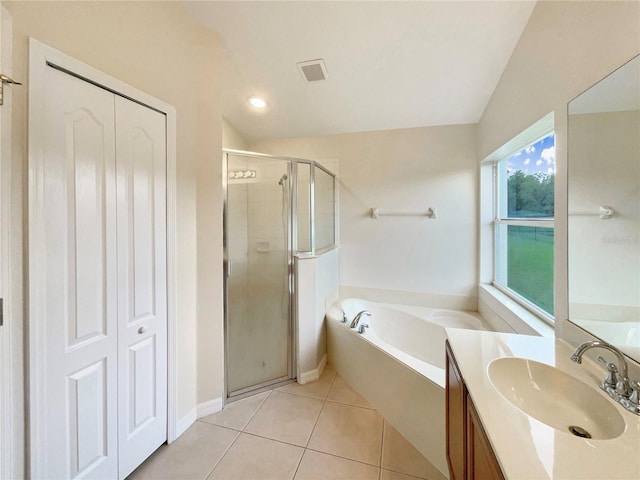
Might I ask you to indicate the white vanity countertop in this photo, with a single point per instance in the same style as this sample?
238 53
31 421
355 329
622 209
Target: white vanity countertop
525 447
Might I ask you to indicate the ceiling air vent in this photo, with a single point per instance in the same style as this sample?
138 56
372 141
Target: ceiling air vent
313 70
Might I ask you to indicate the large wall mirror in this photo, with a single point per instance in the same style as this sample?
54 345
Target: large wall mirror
604 209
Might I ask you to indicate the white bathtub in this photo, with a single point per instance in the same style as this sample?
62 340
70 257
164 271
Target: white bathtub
398 365
624 335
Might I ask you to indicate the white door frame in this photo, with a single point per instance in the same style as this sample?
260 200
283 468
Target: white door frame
8 393
42 57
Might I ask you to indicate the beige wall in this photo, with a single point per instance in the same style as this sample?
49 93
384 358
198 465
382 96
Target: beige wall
565 48
231 138
403 170
157 48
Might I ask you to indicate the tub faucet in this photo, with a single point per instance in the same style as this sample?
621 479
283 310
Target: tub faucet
626 393
357 318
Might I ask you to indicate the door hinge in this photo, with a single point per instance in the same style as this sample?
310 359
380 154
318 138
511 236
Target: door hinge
4 79
1 311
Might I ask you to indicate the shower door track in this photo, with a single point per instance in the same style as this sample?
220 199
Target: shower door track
259 388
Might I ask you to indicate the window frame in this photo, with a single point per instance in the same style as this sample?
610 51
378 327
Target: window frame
530 136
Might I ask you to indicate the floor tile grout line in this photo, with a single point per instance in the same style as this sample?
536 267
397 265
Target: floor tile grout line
289 443
273 440
315 424
324 402
257 410
299 394
384 424
305 448
327 400
224 454
350 404
201 420
402 473
346 458
299 463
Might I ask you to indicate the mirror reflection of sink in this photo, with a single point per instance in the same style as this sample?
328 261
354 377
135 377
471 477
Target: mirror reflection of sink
556 398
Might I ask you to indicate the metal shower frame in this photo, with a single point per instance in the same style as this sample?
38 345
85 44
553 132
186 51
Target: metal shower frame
292 244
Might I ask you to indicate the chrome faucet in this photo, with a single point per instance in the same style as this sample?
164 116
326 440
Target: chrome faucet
357 318
624 392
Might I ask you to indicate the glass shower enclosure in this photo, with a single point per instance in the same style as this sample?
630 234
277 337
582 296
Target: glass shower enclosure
275 207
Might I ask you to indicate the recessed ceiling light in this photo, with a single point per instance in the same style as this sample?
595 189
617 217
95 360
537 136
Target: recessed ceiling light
257 102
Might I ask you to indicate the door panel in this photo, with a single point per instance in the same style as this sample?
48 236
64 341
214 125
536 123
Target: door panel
87 416
258 341
142 372
81 293
142 318
86 198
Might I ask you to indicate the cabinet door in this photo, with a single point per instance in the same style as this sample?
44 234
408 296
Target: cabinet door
456 399
142 298
481 461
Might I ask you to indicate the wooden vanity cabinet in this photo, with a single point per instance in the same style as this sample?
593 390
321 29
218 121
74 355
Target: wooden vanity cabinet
456 402
469 452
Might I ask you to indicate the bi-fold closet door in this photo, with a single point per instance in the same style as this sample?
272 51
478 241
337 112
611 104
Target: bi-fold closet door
104 348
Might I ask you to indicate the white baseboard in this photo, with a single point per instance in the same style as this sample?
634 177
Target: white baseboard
185 422
313 375
207 408
202 410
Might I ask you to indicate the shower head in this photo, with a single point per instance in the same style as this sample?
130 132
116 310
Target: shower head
283 179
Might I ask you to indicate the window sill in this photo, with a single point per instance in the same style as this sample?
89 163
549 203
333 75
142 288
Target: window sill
507 315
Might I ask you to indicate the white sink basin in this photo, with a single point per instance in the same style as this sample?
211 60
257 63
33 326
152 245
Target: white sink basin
556 398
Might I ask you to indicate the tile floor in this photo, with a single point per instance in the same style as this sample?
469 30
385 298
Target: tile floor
322 430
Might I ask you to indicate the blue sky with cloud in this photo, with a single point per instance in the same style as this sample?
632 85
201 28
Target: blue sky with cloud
539 157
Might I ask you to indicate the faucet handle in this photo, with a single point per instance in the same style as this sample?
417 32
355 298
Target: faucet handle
612 369
344 316
362 327
623 388
634 399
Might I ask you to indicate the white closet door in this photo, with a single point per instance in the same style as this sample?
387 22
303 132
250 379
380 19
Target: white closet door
142 298
79 208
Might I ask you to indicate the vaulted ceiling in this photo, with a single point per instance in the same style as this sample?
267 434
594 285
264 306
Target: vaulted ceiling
390 64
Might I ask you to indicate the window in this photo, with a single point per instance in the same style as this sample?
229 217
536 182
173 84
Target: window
523 224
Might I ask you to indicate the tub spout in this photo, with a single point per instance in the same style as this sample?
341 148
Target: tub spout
357 318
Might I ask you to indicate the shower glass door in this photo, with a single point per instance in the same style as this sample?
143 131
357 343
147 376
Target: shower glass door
258 254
